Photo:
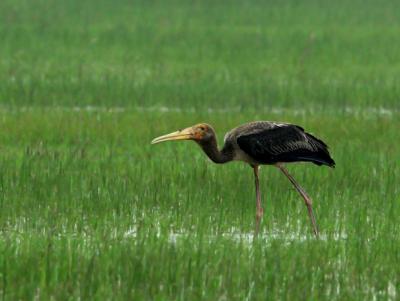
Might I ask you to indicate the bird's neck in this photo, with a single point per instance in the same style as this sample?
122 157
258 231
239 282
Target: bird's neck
210 147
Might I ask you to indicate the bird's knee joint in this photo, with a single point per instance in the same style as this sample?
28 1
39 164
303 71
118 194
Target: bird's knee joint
259 213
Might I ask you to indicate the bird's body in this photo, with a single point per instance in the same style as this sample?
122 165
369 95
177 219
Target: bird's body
260 143
266 142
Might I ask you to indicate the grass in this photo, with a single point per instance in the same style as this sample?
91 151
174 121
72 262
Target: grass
90 210
244 54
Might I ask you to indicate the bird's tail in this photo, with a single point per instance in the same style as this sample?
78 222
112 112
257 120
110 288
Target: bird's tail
322 155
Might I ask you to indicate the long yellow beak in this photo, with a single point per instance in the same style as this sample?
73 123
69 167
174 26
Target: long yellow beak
185 134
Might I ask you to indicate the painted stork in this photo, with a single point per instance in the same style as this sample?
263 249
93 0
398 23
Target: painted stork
261 143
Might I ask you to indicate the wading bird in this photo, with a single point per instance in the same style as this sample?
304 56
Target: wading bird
260 143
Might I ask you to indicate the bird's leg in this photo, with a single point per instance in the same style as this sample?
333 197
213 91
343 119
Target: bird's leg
259 209
305 196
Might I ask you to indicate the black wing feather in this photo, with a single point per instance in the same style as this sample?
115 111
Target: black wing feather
285 143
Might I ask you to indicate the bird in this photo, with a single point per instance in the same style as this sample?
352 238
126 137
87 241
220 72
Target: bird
261 143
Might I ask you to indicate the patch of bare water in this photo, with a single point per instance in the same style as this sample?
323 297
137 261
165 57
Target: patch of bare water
245 237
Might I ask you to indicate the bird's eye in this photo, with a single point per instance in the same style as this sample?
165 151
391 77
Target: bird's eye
202 128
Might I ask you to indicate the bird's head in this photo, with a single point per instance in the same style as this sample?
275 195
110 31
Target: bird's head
200 132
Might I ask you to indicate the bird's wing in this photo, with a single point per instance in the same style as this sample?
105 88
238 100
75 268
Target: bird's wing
252 128
280 142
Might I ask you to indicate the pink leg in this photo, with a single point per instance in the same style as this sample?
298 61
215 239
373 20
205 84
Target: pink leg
305 196
259 209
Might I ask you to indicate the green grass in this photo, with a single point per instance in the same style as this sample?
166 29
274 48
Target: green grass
90 210
246 54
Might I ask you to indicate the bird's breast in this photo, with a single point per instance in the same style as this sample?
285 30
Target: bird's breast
242 156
